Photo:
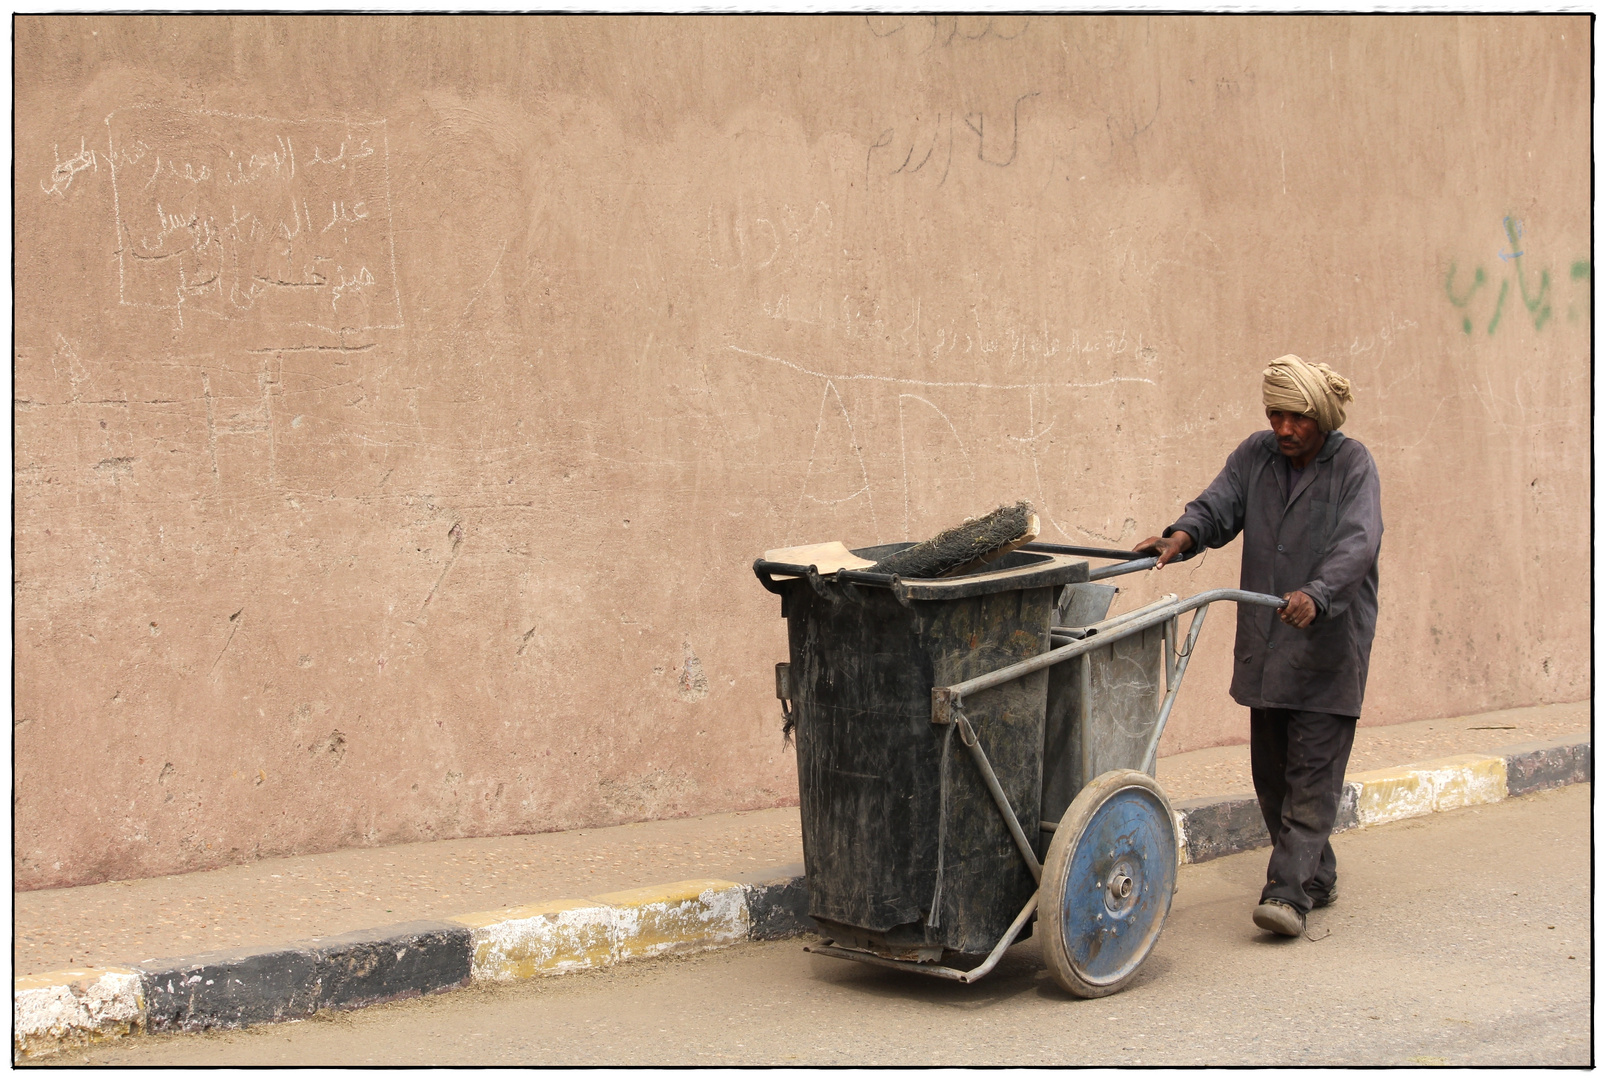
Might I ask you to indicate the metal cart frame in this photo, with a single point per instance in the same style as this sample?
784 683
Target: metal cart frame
1068 643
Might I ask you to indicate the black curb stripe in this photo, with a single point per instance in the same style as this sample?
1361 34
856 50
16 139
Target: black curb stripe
227 989
1537 765
1349 814
777 903
406 960
1213 827
237 987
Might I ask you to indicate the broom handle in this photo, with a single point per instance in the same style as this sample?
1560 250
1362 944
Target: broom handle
1084 552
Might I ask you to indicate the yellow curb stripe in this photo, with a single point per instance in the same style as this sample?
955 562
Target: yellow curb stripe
1390 794
1411 790
573 935
553 938
679 917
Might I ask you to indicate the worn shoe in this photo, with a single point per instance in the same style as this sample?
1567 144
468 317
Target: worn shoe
1279 917
1319 900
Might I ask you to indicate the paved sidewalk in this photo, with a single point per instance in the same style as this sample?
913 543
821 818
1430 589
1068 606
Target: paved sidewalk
270 902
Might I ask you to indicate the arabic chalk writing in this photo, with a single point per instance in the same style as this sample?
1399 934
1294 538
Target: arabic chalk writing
286 222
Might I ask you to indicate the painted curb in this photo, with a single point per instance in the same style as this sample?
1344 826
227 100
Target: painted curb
1534 766
1447 784
57 1010
777 903
574 935
1211 827
233 988
553 938
1214 826
73 1008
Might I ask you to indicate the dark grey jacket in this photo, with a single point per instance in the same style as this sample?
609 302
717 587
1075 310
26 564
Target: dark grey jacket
1322 540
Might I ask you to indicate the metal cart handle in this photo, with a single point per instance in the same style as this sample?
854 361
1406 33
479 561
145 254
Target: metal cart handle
1116 569
946 699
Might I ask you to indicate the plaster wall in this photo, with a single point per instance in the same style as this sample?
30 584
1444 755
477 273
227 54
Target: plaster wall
400 403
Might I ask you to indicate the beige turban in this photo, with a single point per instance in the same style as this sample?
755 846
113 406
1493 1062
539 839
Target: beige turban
1314 390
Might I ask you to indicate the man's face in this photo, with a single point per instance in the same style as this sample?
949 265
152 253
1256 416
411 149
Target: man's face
1298 437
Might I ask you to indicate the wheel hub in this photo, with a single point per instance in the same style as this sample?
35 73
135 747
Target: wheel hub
1121 888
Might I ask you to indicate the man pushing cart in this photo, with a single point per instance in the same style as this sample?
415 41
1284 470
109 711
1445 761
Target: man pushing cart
1307 500
976 741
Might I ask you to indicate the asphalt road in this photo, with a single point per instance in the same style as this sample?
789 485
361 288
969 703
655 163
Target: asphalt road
1458 939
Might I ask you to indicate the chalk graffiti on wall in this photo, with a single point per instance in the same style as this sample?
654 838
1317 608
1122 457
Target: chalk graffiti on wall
61 177
948 30
937 464
1533 293
930 142
738 239
927 143
226 215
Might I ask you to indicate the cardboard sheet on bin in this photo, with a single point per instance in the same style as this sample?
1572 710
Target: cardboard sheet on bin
826 558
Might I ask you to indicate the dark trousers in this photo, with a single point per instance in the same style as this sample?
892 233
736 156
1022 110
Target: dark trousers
1298 758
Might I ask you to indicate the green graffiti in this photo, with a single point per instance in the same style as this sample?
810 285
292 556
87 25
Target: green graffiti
1536 301
1449 286
1499 306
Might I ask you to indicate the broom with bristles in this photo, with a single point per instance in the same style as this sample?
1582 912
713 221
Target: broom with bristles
966 546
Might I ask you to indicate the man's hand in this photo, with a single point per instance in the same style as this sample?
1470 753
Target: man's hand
1300 612
1176 544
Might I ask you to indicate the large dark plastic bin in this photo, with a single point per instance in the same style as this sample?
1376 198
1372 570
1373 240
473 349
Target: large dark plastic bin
872 767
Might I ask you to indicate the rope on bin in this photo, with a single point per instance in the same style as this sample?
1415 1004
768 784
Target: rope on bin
934 916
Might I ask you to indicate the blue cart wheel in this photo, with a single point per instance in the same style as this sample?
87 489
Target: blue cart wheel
1107 883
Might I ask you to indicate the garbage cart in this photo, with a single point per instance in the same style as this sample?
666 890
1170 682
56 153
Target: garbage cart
977 751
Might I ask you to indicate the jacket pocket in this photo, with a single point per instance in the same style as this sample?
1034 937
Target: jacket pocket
1326 645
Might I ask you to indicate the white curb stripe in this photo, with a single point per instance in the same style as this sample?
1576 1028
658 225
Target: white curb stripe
67 1007
574 935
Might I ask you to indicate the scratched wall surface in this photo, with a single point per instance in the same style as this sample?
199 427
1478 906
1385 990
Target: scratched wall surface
400 403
